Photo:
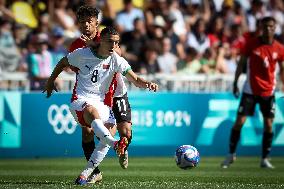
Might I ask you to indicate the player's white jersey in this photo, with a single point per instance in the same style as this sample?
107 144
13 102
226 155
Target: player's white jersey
121 88
95 73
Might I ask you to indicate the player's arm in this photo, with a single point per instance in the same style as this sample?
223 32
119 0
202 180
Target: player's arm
49 86
140 82
239 70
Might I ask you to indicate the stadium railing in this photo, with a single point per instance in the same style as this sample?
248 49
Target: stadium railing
174 82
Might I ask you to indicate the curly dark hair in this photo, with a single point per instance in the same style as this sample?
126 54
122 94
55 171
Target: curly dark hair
87 11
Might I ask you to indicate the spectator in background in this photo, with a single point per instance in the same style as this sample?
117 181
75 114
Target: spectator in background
176 41
209 61
126 17
179 23
198 39
20 33
65 18
167 61
5 13
215 31
226 62
153 9
276 8
56 45
107 11
256 12
39 63
9 54
237 39
158 28
132 44
149 63
195 10
191 64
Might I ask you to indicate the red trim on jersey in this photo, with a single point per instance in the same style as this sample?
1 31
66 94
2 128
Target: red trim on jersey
109 95
262 65
74 94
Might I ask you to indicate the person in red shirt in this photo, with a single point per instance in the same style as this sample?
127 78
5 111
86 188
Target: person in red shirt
88 23
261 55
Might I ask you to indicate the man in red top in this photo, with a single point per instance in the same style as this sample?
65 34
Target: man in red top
260 55
88 22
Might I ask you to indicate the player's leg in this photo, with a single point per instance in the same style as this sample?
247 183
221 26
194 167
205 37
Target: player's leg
122 113
91 117
267 107
124 129
246 107
97 156
88 145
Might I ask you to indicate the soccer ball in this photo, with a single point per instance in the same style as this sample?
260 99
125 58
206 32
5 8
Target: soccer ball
186 157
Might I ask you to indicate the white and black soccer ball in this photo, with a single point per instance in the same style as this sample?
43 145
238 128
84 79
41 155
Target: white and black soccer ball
187 157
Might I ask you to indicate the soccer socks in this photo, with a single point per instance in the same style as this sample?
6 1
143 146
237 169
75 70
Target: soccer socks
266 144
96 158
88 148
234 139
102 132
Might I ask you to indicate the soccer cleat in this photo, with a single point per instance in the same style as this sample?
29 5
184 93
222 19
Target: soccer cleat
81 180
120 146
123 160
228 161
96 177
265 163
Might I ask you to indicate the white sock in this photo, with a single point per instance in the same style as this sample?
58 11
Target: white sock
102 132
96 158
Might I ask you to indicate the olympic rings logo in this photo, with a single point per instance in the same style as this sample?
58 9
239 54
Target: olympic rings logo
61 119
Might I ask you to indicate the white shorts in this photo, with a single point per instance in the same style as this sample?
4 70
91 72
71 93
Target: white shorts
77 107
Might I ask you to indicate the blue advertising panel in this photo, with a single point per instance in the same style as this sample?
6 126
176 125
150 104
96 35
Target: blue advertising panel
33 126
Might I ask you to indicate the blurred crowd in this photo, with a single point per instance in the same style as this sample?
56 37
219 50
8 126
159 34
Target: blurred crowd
157 36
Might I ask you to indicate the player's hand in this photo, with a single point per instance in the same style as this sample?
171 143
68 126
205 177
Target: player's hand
236 91
87 40
152 86
49 87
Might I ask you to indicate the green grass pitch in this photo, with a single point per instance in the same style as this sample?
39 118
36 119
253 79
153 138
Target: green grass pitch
142 173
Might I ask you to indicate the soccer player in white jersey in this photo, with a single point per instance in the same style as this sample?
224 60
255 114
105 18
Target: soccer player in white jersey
117 95
96 69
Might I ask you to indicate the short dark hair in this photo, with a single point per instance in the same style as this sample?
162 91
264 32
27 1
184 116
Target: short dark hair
267 19
87 11
109 30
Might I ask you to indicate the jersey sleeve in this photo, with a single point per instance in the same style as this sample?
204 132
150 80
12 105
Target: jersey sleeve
74 57
122 65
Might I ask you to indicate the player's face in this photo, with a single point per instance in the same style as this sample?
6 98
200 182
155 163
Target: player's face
268 28
109 42
88 25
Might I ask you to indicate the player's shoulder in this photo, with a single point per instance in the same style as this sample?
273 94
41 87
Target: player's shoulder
77 43
117 56
278 44
84 51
